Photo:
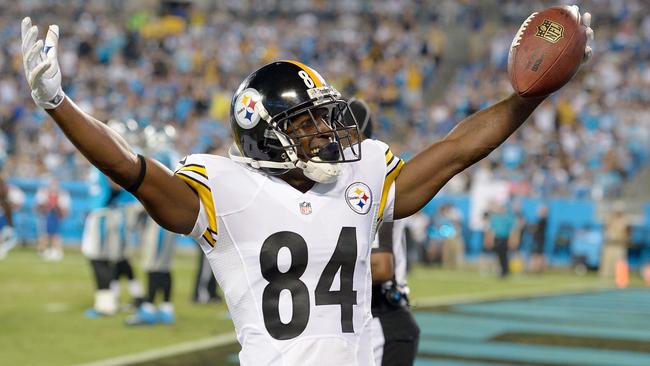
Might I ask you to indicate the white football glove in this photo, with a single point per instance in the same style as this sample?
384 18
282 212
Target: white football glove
41 64
585 20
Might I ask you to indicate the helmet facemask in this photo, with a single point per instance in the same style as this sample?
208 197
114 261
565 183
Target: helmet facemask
317 139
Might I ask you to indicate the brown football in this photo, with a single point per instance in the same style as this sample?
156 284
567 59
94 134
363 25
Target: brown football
546 51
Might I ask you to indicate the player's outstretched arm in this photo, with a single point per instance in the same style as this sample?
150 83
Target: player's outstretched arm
167 198
470 141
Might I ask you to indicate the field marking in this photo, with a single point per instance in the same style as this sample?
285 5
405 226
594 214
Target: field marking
56 307
169 351
230 338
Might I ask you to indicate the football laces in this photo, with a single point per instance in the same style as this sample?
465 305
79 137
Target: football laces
522 29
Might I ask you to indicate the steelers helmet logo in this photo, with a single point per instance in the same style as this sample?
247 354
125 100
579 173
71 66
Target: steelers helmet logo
359 198
246 108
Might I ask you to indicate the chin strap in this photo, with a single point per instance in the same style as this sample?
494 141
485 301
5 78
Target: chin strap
234 154
320 172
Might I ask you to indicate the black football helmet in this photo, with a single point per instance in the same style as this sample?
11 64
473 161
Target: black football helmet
263 108
360 115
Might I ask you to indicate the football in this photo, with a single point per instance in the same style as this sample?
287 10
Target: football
546 51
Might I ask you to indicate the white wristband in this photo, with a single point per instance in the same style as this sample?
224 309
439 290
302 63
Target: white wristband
52 103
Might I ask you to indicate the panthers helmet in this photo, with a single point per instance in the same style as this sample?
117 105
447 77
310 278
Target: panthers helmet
262 110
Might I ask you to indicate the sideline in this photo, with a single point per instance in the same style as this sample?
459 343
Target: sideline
421 304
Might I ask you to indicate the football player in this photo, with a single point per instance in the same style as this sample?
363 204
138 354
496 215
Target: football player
395 333
157 253
8 237
126 215
104 243
287 221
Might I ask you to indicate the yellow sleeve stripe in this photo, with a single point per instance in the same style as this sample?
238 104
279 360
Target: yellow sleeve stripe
198 169
209 238
204 194
389 156
312 74
390 178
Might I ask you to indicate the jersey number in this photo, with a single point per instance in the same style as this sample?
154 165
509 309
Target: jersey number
305 77
344 258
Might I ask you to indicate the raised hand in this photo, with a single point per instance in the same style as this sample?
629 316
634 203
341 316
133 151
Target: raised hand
41 64
585 21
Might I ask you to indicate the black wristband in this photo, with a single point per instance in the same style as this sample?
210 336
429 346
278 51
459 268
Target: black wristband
143 170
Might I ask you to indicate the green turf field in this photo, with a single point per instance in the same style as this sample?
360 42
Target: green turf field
42 305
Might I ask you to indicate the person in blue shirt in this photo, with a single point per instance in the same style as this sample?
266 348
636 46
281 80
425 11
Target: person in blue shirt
502 224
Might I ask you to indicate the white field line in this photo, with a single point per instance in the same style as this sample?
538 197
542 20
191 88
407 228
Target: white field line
169 351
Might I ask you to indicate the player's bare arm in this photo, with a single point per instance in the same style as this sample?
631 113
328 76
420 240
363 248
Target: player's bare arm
472 139
166 197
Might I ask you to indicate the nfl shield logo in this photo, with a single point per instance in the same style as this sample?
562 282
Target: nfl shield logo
550 31
305 208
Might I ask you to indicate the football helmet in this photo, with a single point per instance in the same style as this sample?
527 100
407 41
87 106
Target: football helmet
265 107
360 115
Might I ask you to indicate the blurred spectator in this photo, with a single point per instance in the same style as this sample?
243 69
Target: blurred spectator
516 262
502 227
52 203
538 230
449 224
617 233
417 228
8 237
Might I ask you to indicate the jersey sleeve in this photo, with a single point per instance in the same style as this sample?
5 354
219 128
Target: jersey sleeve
193 172
393 167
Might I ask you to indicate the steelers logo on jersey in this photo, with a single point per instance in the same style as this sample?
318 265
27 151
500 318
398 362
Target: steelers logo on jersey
246 114
359 198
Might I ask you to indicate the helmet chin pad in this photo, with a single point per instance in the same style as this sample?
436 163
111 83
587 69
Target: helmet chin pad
320 172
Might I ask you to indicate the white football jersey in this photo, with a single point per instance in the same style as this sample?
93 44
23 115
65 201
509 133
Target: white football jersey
294 267
158 247
101 239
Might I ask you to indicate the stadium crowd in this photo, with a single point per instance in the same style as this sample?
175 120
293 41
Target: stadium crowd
178 65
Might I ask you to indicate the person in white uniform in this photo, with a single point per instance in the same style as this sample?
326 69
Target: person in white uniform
11 198
288 220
